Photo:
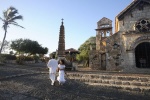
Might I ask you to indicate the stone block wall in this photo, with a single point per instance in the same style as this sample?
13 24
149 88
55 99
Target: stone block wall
113 55
95 60
129 38
129 21
130 41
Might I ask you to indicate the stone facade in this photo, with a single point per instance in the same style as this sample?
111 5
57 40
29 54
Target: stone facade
127 21
130 43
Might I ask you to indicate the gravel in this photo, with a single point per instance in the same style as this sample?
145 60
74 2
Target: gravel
31 82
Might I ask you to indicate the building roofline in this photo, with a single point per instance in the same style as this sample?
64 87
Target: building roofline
130 7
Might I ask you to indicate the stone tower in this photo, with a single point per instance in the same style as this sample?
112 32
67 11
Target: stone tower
61 43
98 57
104 30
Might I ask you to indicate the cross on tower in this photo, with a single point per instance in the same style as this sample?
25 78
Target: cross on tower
62 19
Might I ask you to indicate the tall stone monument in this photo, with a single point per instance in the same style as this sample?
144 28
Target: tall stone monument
61 43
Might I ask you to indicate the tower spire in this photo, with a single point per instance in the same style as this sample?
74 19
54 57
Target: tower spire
62 21
61 43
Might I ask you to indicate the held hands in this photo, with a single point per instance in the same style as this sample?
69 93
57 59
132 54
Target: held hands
65 73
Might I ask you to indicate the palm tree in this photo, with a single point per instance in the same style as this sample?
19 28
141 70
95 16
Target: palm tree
10 17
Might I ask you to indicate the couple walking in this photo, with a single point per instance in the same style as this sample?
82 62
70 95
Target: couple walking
53 67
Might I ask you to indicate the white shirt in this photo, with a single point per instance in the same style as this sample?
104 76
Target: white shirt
52 65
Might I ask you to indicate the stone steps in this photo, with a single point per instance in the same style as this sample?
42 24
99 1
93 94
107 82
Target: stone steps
111 81
132 82
125 87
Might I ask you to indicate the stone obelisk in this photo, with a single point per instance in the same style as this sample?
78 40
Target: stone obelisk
61 43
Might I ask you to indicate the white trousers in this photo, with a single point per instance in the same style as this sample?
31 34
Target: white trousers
52 76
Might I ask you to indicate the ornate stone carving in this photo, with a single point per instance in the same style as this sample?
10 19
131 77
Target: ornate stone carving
143 25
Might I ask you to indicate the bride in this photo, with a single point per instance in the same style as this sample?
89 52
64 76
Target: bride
61 69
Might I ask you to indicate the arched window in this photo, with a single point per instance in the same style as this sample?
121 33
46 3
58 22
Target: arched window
108 33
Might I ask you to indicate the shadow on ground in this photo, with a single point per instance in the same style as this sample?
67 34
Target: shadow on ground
37 87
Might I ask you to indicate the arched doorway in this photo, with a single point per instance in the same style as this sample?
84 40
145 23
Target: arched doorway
142 55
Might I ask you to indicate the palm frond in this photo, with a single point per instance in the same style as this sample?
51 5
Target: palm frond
17 25
12 13
12 22
3 26
1 19
12 8
16 17
10 17
9 12
5 14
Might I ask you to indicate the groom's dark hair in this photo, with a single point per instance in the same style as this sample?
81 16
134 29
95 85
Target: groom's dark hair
53 56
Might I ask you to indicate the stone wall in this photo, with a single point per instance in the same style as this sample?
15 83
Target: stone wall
122 58
129 38
130 41
113 53
95 60
129 20
98 40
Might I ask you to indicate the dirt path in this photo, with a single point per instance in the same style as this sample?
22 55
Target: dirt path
34 84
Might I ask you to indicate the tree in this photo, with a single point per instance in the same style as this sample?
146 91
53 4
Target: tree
42 50
10 17
16 45
84 51
28 46
32 49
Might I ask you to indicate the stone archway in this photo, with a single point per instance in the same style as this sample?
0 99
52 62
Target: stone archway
142 55
133 47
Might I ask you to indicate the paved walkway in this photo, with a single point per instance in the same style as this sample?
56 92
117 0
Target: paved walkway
31 82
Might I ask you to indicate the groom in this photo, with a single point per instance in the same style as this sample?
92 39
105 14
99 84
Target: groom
52 65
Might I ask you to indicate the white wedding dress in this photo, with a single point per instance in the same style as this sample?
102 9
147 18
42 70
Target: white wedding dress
61 76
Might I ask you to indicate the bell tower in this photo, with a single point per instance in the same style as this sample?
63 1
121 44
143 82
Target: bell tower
104 30
98 57
61 43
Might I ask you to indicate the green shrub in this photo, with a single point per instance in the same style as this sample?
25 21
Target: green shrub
28 58
8 57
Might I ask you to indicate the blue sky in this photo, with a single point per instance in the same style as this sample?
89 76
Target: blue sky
42 19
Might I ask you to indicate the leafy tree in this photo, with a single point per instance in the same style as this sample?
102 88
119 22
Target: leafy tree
28 46
10 17
17 45
84 51
43 50
53 54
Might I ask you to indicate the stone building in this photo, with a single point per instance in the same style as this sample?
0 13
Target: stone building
128 49
70 54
